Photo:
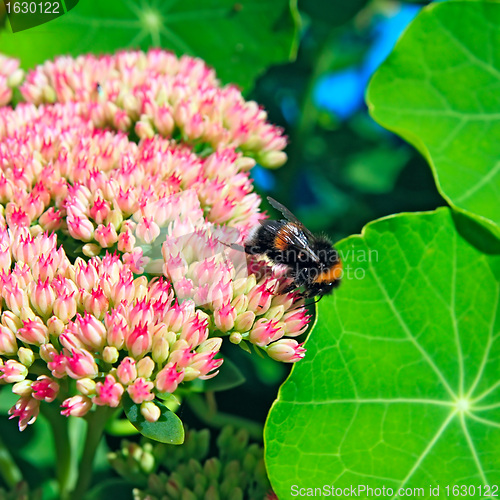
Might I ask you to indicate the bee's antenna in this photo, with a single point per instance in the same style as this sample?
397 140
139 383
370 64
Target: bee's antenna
233 246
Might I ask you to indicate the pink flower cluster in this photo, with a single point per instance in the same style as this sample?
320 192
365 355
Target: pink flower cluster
159 93
10 77
116 268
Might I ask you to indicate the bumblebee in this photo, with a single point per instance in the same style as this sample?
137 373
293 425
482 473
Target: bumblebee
311 260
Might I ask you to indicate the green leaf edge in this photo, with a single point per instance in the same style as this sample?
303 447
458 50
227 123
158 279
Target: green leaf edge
420 146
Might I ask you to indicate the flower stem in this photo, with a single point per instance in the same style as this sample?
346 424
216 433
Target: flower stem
96 422
8 468
204 411
65 460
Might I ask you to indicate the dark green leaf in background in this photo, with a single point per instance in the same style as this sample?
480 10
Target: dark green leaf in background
440 90
167 429
229 35
401 382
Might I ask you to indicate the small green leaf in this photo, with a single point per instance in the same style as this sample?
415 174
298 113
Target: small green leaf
440 90
240 39
229 377
400 386
167 429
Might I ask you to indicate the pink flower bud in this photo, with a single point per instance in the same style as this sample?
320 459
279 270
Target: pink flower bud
96 302
124 289
51 220
150 411
76 406
141 313
195 331
33 332
42 297
47 352
99 210
11 321
286 350
224 317
126 241
177 315
126 201
109 392
205 363
80 228
138 341
296 322
147 230
27 410
86 275
259 298
117 327
15 298
45 389
81 364
106 236
13 371
65 306
5 259
164 121
169 378
140 391
127 371
58 365
91 331
266 331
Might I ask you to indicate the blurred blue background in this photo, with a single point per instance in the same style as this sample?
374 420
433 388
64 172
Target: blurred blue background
343 170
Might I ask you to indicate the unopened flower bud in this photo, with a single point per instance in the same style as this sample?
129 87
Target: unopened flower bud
26 356
91 250
235 337
244 322
77 406
8 341
55 326
110 354
145 367
86 386
150 411
22 388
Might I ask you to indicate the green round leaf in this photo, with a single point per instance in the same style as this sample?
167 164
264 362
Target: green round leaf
400 386
240 39
167 429
440 90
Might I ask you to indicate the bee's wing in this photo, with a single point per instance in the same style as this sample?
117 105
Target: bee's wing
288 235
289 216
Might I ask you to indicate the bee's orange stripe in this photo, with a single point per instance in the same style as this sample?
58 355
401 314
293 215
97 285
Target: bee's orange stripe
330 275
279 241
